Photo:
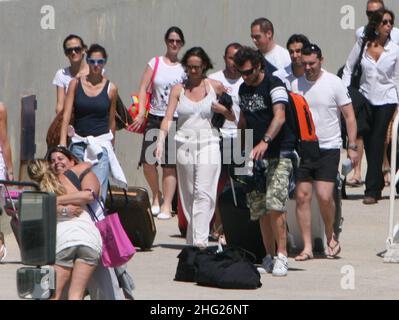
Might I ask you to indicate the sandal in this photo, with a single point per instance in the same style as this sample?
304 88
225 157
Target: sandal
333 251
354 183
3 248
304 256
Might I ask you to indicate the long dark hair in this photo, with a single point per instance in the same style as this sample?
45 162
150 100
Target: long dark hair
371 30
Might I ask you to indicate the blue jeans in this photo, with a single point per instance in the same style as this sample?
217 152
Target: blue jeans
100 169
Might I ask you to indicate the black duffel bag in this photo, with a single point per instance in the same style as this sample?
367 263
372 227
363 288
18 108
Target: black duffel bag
230 269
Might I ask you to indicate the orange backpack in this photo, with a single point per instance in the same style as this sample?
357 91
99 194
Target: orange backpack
299 119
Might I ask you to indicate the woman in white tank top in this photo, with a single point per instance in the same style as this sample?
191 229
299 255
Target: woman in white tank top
198 154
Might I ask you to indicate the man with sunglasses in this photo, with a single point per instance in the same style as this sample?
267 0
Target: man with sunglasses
327 97
373 6
263 99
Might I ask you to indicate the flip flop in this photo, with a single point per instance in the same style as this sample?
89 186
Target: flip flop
303 256
333 252
3 252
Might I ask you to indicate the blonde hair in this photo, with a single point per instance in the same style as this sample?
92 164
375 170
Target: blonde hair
40 172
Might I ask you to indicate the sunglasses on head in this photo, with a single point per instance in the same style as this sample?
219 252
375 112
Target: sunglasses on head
96 62
386 21
72 49
246 72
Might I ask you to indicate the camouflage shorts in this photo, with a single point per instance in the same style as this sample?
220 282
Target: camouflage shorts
278 174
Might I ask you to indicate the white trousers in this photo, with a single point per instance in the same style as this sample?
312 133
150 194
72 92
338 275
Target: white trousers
198 169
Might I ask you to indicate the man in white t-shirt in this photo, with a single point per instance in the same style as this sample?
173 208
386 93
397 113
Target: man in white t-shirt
327 97
295 44
231 80
372 6
262 32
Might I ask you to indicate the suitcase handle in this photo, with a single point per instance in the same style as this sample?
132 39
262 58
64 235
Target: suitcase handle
20 184
112 197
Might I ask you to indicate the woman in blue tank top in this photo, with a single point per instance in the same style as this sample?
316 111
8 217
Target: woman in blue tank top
92 101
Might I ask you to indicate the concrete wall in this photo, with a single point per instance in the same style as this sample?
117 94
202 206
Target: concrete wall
132 31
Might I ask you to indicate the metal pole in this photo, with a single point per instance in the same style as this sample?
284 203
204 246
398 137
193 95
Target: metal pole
393 173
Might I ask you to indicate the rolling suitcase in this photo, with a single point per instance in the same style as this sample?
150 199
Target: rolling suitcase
295 242
238 228
134 209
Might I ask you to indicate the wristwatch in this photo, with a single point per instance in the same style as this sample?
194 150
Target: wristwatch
267 139
64 212
352 146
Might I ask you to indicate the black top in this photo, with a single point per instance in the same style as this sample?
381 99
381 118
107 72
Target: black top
256 103
91 113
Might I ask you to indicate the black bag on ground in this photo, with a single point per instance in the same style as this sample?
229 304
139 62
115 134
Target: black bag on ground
239 229
133 207
229 269
186 269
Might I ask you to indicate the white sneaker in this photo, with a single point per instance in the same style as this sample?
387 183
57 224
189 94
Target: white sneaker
280 268
164 216
267 265
155 210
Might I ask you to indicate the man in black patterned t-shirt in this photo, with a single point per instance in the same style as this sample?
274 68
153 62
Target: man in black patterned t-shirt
263 99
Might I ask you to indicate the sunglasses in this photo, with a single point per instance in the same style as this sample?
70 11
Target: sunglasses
246 72
68 51
96 62
190 67
369 13
386 21
177 41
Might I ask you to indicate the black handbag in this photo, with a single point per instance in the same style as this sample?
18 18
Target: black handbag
357 69
219 119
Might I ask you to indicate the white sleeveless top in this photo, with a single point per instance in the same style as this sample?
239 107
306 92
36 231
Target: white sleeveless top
194 119
77 231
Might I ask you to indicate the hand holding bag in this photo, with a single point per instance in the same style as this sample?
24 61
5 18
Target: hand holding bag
117 248
134 108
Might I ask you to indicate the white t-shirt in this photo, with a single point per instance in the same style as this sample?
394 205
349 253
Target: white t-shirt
325 97
229 129
62 78
278 57
394 34
286 75
166 77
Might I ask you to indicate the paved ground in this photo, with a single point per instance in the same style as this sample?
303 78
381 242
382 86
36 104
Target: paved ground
359 274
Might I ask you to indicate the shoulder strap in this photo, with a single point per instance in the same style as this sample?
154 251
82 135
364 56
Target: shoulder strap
154 73
74 179
83 174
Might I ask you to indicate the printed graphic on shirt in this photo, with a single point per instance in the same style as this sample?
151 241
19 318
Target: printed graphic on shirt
252 103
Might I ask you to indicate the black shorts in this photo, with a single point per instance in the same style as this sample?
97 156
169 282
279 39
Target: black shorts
323 169
149 143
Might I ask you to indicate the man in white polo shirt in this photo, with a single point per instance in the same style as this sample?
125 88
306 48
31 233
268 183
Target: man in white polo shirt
327 97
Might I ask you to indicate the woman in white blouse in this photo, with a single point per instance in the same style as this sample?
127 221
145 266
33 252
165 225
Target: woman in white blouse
379 83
